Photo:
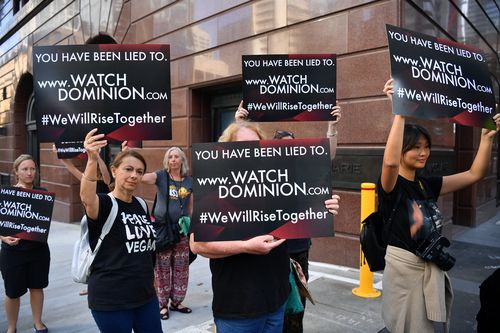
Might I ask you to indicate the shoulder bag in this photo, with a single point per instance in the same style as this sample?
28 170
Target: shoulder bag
166 233
374 237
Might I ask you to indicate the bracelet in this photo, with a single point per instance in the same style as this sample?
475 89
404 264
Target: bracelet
331 134
88 178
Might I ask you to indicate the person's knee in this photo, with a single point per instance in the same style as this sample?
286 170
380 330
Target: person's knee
36 290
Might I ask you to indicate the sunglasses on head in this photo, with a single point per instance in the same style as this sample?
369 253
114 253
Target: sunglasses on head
283 134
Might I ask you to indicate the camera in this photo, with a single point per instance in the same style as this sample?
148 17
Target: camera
431 249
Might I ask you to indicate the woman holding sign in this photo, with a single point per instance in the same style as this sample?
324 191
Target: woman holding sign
121 290
250 278
24 263
417 291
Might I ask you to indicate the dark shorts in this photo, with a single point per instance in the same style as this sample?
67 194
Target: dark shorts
23 270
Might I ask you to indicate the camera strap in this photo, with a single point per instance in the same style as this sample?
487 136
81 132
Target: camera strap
426 198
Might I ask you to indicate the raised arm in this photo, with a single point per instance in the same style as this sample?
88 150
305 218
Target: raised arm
479 167
93 143
332 129
260 245
106 177
393 147
149 178
69 165
241 113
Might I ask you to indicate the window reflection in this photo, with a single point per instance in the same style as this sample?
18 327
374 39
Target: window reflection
462 20
18 4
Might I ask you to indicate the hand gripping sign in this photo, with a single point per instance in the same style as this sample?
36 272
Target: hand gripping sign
25 214
251 188
436 78
124 90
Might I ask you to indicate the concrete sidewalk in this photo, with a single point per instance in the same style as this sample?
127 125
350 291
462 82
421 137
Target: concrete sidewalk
336 310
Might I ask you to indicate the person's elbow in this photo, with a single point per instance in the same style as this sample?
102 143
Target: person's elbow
195 246
390 164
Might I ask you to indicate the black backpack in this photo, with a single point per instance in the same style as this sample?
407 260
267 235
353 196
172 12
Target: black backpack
374 237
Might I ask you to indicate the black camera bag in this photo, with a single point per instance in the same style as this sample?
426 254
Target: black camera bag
374 237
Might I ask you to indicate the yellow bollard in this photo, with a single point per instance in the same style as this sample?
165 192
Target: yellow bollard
365 288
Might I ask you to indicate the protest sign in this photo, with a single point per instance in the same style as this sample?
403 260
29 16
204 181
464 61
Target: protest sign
66 150
294 87
25 214
437 78
123 90
250 188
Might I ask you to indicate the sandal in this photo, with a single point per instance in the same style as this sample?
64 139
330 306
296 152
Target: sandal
164 315
43 330
184 309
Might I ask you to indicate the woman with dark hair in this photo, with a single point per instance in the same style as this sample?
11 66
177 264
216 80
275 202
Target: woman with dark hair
417 292
24 263
121 290
173 188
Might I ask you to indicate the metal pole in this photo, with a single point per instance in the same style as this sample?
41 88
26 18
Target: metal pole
365 288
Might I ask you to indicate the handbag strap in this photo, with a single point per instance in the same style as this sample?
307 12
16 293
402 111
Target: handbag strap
167 197
393 212
143 204
109 222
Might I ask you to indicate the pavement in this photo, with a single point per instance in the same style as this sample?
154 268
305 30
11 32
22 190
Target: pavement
337 309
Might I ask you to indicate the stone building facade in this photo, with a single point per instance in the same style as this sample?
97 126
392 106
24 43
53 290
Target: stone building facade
207 39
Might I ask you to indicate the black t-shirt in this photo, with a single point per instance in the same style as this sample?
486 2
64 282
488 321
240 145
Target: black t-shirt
177 194
122 272
24 244
425 192
298 245
101 187
247 286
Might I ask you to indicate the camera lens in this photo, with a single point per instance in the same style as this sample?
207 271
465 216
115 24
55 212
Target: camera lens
444 261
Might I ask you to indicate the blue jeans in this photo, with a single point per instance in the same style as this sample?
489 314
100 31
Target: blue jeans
144 319
268 323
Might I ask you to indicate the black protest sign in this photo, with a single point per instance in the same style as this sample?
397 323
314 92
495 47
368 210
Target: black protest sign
294 87
25 214
123 90
66 150
436 78
250 188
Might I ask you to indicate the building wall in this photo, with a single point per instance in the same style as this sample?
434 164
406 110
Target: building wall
207 39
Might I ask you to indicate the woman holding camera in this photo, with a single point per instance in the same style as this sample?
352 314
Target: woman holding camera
417 292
